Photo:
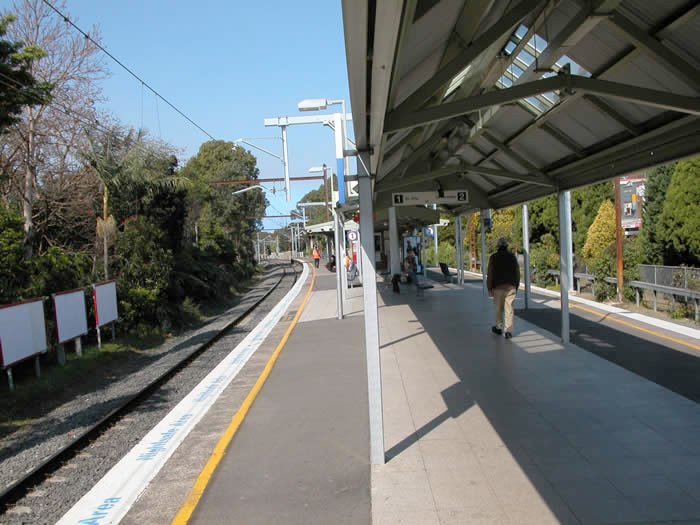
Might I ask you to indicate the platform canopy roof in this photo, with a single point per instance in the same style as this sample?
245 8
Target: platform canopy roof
516 99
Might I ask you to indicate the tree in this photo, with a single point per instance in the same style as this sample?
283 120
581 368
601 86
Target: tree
44 144
503 225
14 272
18 88
601 233
679 222
655 195
223 223
137 177
585 203
544 218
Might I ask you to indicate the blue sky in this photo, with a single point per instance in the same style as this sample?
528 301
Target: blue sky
227 64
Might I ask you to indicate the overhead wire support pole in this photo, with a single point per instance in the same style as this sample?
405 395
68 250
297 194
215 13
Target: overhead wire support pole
283 122
285 163
338 279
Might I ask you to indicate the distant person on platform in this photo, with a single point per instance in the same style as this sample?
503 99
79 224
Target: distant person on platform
316 254
502 281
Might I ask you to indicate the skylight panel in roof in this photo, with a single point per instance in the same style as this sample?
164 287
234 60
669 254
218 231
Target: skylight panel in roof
457 81
526 57
521 31
576 69
537 104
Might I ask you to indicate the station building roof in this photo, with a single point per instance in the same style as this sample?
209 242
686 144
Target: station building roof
516 99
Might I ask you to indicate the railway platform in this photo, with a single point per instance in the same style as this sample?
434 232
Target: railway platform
478 429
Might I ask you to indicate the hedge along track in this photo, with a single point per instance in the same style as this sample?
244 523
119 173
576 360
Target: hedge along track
36 475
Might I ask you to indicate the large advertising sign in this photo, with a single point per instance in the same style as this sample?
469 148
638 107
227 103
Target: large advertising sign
22 331
632 191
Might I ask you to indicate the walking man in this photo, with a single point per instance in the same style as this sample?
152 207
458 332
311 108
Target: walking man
502 281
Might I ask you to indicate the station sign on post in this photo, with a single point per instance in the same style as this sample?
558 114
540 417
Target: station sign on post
420 198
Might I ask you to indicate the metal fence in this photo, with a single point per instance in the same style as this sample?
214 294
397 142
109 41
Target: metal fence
677 276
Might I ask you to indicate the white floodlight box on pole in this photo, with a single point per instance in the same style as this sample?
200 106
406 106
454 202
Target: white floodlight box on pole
339 155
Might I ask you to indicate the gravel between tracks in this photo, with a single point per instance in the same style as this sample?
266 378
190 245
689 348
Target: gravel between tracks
25 449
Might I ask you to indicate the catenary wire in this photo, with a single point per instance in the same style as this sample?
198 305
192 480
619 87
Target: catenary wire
143 82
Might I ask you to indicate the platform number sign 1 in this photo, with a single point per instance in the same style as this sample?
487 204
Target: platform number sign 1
398 198
462 196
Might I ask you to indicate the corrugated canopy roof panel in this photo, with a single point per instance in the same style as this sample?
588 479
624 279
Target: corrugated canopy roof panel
516 99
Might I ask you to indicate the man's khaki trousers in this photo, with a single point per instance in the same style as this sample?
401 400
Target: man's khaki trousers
503 299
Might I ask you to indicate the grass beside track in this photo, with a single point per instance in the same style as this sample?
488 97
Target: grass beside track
34 397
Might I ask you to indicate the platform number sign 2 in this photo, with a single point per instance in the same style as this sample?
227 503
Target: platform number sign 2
462 196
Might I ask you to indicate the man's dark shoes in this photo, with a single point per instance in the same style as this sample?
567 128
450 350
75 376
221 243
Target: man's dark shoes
496 330
508 335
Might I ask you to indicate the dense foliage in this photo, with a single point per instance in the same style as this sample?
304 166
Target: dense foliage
83 198
18 87
601 233
679 221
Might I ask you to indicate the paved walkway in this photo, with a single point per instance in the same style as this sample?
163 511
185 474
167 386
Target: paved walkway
477 429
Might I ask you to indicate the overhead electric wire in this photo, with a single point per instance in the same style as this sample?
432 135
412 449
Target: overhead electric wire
86 121
143 82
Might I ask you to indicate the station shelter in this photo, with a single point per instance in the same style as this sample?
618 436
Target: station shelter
507 101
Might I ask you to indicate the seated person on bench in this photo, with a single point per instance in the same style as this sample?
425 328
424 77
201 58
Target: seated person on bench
445 271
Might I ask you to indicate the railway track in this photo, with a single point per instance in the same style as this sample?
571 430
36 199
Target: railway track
50 486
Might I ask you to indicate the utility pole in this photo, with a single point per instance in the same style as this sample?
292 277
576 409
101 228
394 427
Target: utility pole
619 236
325 190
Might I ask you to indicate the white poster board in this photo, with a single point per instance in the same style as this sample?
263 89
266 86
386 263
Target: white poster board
104 298
71 314
22 331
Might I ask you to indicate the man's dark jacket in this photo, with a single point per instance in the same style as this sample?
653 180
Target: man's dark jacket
503 269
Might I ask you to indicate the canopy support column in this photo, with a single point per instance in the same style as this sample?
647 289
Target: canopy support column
564 261
526 253
394 245
369 293
459 249
483 252
570 251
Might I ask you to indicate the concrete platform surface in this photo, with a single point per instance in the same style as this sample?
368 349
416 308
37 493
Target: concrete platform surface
479 429
301 454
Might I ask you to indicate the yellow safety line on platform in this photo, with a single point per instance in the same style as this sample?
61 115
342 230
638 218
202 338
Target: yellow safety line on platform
646 330
185 512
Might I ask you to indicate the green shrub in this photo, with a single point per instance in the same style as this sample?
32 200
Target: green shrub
57 270
144 269
14 271
544 256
